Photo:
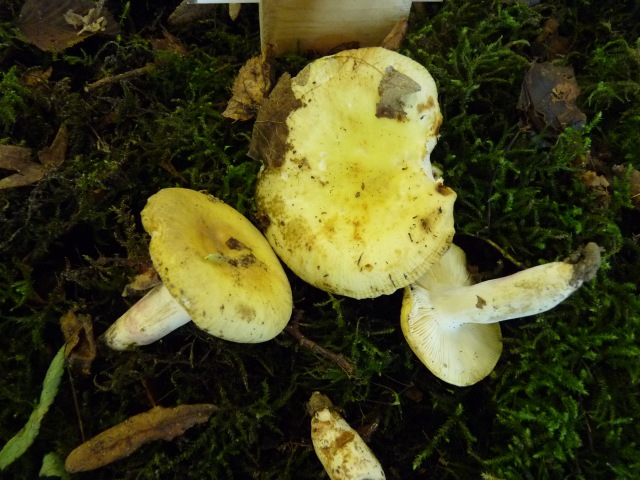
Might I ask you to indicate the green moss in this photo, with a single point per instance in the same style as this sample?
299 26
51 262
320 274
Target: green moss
562 400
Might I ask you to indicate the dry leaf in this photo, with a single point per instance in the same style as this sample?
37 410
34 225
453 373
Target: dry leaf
56 25
598 184
80 346
28 172
394 38
53 156
37 78
270 132
251 86
144 281
393 86
170 43
122 440
548 97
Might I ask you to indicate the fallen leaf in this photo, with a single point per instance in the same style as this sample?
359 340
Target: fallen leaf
122 440
548 97
144 281
28 172
549 42
80 347
598 184
270 131
19 444
394 38
170 43
53 466
251 86
393 87
37 78
53 156
55 26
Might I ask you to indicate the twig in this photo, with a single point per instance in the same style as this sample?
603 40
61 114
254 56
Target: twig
136 72
293 329
76 405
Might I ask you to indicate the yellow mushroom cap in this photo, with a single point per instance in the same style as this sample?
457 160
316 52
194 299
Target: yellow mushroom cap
217 265
346 191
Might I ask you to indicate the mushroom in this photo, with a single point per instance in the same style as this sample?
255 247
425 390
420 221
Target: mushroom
342 452
217 270
452 326
346 192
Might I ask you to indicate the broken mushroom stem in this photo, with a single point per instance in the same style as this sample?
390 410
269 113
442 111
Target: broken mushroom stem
155 315
529 292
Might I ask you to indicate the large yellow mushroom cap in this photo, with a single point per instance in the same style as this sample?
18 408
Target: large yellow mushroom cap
217 265
347 192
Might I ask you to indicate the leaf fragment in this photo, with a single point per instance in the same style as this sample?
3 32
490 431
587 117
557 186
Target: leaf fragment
548 97
55 26
28 172
393 87
395 37
80 346
122 440
251 86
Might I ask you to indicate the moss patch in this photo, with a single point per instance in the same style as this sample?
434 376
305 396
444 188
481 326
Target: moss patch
563 400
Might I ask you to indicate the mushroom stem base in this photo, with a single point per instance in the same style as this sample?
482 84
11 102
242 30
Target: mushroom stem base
151 318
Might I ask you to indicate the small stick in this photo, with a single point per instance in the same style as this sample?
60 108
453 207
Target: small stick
136 72
76 405
293 329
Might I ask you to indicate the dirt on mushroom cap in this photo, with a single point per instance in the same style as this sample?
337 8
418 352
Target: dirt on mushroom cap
217 265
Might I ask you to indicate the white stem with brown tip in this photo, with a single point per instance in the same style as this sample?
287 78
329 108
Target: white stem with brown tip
525 293
151 318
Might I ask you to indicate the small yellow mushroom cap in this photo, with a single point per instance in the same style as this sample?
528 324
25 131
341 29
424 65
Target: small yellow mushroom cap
347 193
217 265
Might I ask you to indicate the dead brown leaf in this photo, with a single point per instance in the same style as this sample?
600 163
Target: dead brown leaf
80 347
251 86
18 159
56 25
393 87
144 281
549 42
122 440
394 38
548 97
598 184
169 43
37 78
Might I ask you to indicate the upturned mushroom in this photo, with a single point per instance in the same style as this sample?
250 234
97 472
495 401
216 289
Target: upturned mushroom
216 269
346 192
342 452
452 326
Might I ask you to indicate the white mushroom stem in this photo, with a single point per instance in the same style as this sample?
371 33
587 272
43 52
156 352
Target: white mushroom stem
525 293
151 318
